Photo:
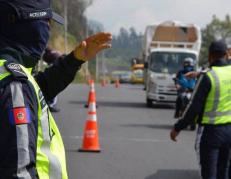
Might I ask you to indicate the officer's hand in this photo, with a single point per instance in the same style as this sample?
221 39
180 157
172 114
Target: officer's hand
88 48
173 135
192 74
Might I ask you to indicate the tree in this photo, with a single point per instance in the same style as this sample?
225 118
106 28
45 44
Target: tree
77 22
125 46
215 30
95 26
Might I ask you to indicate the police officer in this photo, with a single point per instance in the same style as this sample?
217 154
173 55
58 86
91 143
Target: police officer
211 105
31 146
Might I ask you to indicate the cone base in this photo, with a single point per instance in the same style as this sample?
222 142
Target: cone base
89 151
86 106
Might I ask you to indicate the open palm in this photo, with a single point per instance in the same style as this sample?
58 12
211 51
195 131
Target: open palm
88 48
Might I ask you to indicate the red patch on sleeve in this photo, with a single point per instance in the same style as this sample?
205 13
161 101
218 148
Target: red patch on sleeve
21 116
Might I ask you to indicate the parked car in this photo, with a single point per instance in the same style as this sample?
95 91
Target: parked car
122 76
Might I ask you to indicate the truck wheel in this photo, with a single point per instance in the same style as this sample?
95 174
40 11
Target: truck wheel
149 102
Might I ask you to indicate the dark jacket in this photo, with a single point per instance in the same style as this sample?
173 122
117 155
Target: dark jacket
18 141
195 109
186 84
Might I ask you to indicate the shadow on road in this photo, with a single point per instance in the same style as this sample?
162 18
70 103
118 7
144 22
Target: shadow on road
122 104
175 174
152 126
114 104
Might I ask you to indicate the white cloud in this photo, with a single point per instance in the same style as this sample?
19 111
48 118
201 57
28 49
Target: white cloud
114 14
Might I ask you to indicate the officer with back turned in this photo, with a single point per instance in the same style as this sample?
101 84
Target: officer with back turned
31 145
211 106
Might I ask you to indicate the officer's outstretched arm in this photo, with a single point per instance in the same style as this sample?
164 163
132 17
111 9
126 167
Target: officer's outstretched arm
88 48
56 78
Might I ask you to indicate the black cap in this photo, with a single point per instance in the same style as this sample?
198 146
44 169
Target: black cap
33 9
218 46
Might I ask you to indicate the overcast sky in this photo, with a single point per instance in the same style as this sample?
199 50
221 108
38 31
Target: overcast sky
114 14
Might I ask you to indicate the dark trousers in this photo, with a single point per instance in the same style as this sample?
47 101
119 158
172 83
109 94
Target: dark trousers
223 157
179 103
214 151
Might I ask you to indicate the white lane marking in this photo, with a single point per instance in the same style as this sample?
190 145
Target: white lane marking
121 139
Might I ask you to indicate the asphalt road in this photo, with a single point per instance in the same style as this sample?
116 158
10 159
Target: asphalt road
134 139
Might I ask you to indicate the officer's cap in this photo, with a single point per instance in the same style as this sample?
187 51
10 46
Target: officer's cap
33 9
218 46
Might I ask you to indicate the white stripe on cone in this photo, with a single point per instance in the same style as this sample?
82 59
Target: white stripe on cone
92 107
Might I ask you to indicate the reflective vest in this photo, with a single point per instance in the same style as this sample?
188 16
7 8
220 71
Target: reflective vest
218 103
50 157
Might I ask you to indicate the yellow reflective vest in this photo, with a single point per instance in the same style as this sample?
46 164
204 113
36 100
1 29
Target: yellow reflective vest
218 103
50 157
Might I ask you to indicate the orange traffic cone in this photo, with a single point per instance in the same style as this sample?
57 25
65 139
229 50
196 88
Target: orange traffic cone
117 83
91 136
91 93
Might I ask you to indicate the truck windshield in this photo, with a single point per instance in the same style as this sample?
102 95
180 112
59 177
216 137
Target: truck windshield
168 62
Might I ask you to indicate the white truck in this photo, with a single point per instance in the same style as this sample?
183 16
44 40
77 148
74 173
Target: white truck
165 47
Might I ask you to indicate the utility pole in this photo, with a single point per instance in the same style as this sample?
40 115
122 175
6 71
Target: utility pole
65 24
96 68
103 65
86 33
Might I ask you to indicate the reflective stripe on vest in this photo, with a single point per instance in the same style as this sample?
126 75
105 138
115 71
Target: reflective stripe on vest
217 109
55 169
50 159
22 133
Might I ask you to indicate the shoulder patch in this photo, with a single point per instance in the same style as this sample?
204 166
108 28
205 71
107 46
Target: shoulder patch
16 70
20 115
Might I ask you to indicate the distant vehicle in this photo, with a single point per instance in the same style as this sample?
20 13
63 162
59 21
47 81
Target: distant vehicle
137 73
122 76
137 76
165 47
138 66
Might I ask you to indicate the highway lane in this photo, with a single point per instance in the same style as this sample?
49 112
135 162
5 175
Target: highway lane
134 139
